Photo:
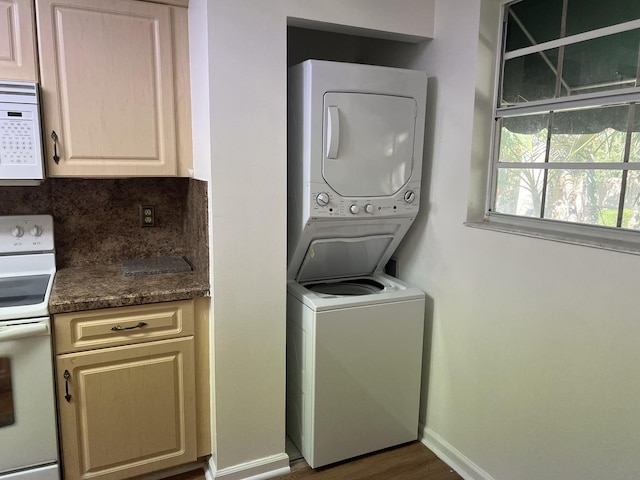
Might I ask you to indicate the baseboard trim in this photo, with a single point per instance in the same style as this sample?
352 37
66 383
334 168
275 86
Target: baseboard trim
260 469
209 469
452 456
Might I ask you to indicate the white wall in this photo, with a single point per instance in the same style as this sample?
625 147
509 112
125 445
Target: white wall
238 56
533 358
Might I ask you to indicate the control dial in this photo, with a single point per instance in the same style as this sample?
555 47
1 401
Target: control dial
354 209
322 199
409 196
368 208
35 231
17 231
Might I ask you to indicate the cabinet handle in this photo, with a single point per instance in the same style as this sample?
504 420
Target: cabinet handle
54 137
66 376
117 328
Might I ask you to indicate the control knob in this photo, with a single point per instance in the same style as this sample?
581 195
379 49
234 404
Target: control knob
354 209
368 208
322 199
35 231
17 231
409 196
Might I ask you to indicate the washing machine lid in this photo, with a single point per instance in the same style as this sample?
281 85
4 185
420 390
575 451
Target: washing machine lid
368 143
330 258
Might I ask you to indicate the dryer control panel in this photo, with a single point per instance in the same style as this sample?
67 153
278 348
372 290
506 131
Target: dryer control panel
325 203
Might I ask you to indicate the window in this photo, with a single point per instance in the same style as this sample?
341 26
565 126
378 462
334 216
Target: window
567 116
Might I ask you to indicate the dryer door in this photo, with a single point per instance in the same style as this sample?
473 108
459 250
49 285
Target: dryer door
368 143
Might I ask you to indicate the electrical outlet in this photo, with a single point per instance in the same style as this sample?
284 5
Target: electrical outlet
147 215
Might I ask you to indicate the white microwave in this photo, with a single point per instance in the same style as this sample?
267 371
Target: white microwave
21 155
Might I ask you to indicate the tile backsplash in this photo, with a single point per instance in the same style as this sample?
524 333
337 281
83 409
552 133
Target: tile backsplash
97 222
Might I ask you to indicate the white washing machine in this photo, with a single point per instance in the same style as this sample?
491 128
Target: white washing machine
354 360
354 335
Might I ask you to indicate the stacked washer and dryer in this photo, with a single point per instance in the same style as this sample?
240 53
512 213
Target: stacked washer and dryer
354 334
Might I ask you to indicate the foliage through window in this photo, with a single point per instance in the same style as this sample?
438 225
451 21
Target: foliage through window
567 136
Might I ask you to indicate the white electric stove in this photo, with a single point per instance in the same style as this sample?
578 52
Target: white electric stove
27 406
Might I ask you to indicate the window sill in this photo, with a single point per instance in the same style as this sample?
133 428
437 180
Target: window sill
622 241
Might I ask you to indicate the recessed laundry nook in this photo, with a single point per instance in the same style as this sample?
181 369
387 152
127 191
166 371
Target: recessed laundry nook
354 334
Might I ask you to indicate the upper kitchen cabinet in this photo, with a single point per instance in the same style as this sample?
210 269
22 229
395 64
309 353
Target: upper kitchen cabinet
17 41
114 76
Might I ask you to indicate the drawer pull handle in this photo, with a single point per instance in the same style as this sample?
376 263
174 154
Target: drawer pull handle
66 376
117 328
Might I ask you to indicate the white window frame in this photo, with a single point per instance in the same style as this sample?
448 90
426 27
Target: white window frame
614 238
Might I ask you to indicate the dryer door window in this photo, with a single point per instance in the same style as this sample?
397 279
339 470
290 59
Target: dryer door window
368 143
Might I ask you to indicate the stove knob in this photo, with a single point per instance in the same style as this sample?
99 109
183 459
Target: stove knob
17 231
35 231
354 209
322 199
368 208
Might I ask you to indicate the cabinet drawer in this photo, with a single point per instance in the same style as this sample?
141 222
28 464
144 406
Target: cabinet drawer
110 327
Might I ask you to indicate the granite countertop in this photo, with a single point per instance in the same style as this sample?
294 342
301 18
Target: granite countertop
104 286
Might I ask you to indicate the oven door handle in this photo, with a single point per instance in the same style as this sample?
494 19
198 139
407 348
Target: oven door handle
16 332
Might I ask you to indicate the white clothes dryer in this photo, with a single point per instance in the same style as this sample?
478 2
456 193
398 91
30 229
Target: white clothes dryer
355 145
354 335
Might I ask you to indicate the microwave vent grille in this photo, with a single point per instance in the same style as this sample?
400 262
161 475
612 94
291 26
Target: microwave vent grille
18 92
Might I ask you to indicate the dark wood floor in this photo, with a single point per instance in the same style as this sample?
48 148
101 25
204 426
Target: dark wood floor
413 461
194 475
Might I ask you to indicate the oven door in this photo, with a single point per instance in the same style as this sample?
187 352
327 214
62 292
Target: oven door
27 409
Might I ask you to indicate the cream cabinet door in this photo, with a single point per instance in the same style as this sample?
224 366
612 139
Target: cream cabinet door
107 79
17 41
126 411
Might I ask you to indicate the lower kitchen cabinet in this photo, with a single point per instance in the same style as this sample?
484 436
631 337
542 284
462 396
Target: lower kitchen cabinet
130 409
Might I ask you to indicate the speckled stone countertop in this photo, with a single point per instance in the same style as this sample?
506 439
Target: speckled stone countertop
104 286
